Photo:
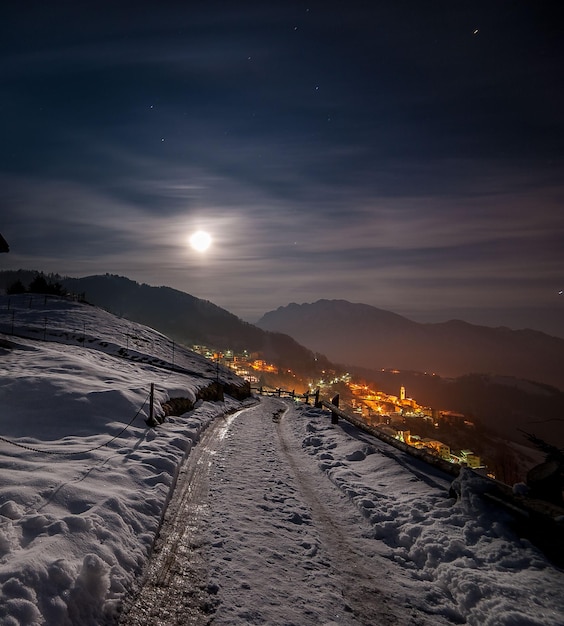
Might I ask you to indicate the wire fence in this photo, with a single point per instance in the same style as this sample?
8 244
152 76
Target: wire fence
77 452
44 318
29 318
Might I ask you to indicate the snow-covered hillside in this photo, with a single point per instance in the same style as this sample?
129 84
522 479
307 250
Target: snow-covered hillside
306 522
84 479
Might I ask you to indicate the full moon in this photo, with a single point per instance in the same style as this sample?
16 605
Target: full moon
200 240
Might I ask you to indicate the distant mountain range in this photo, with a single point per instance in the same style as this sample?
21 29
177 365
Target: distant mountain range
365 336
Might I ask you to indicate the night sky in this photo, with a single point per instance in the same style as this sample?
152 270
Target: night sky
404 154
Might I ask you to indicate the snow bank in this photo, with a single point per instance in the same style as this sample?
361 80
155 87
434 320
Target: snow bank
84 480
473 568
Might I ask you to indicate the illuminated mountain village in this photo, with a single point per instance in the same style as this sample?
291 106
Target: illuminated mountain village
449 435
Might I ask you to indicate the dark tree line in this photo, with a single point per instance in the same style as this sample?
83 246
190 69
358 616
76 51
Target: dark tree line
39 284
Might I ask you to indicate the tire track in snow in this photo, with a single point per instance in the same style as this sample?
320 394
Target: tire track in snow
359 581
174 590
267 561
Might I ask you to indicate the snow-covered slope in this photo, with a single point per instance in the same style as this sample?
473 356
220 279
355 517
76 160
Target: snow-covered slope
84 479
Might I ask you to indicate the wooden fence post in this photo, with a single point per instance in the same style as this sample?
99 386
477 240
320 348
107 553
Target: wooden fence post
334 416
316 403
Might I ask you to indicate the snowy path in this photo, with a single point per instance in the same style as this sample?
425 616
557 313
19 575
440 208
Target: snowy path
257 534
287 561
